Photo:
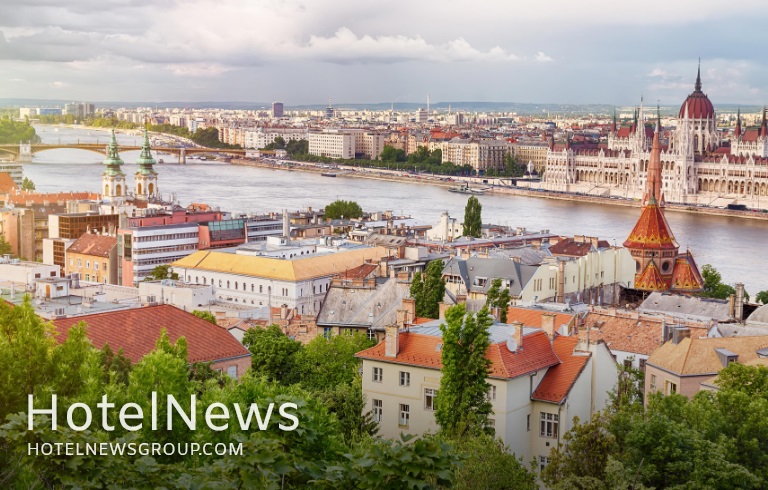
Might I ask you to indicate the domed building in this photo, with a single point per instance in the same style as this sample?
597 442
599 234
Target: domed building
697 166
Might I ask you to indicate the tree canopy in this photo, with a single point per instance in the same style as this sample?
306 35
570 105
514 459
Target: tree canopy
161 272
346 209
27 184
497 300
463 405
713 284
12 132
473 221
428 290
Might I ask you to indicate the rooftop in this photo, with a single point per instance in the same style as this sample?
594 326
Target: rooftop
699 356
559 379
96 245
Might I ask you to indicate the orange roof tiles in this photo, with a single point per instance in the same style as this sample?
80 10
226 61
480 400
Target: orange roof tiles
136 331
560 378
29 198
531 317
96 245
650 279
360 272
422 350
6 183
651 231
685 275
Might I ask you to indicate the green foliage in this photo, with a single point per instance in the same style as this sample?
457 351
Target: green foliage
297 147
714 440
426 463
490 466
13 132
473 221
713 285
762 297
161 272
497 300
428 290
327 362
209 137
463 406
205 315
347 402
5 247
346 209
390 154
273 353
511 168
277 144
27 185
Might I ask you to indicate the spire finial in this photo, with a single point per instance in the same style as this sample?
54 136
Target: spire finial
658 117
698 77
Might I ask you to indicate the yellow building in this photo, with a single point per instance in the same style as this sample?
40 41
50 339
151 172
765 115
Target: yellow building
94 257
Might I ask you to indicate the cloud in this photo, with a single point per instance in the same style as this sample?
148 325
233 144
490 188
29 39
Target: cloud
59 84
541 57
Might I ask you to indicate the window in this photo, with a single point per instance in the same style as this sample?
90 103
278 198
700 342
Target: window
328 332
429 398
528 422
627 363
670 388
642 364
405 378
87 277
543 462
405 415
653 382
378 374
378 409
491 392
232 371
371 333
104 265
548 425
261 288
79 263
71 261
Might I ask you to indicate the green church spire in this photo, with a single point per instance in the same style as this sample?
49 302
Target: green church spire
145 160
113 160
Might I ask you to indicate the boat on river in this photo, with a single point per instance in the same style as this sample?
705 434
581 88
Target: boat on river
466 189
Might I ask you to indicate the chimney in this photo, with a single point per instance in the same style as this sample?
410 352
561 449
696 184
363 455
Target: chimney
738 308
732 306
443 308
391 340
409 305
548 324
286 225
283 311
517 335
461 298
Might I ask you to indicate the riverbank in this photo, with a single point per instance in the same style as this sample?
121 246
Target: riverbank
441 181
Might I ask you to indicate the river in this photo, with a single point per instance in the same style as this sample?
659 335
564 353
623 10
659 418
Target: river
725 242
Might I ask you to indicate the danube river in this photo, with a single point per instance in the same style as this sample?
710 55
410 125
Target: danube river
732 245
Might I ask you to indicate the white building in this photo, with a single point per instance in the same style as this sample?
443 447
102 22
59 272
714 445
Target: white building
297 276
447 229
346 143
482 155
144 248
24 274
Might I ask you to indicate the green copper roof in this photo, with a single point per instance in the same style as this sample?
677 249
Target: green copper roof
113 160
145 160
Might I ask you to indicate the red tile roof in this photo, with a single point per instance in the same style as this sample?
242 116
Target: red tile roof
560 378
422 350
90 244
531 317
685 275
6 182
652 232
136 331
30 198
360 272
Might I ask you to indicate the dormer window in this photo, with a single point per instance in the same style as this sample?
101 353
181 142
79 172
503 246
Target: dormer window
726 357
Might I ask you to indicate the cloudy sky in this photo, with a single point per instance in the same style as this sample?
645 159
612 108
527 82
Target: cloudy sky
305 51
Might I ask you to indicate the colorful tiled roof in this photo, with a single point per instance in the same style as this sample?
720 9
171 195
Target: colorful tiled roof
96 245
650 279
685 275
559 379
6 183
425 351
136 331
651 232
531 317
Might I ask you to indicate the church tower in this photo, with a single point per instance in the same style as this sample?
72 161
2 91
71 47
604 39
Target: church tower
146 176
652 244
113 178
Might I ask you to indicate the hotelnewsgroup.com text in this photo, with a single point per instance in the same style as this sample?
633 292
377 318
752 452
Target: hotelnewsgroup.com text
133 449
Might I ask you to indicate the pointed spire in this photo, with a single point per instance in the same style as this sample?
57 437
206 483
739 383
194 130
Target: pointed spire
145 160
658 119
698 77
764 126
613 125
113 160
737 131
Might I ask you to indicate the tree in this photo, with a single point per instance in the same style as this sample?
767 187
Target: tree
463 406
5 247
762 297
713 285
161 272
273 353
327 362
391 154
428 290
489 465
497 299
27 184
345 209
205 315
473 221
297 147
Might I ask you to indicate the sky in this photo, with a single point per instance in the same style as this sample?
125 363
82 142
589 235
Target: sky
364 51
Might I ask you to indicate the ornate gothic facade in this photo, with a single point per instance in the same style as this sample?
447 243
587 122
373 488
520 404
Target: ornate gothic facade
697 166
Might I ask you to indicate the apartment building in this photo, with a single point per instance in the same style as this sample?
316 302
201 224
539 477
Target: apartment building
141 249
482 155
94 258
347 143
539 381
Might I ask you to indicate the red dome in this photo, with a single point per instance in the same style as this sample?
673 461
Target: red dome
698 104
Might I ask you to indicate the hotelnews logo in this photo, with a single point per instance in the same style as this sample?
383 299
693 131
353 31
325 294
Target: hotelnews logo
131 417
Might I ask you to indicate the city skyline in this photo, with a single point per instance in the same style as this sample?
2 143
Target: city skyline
306 53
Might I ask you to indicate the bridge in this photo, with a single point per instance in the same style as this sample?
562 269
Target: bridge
23 152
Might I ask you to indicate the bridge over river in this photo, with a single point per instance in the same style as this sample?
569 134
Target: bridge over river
23 152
